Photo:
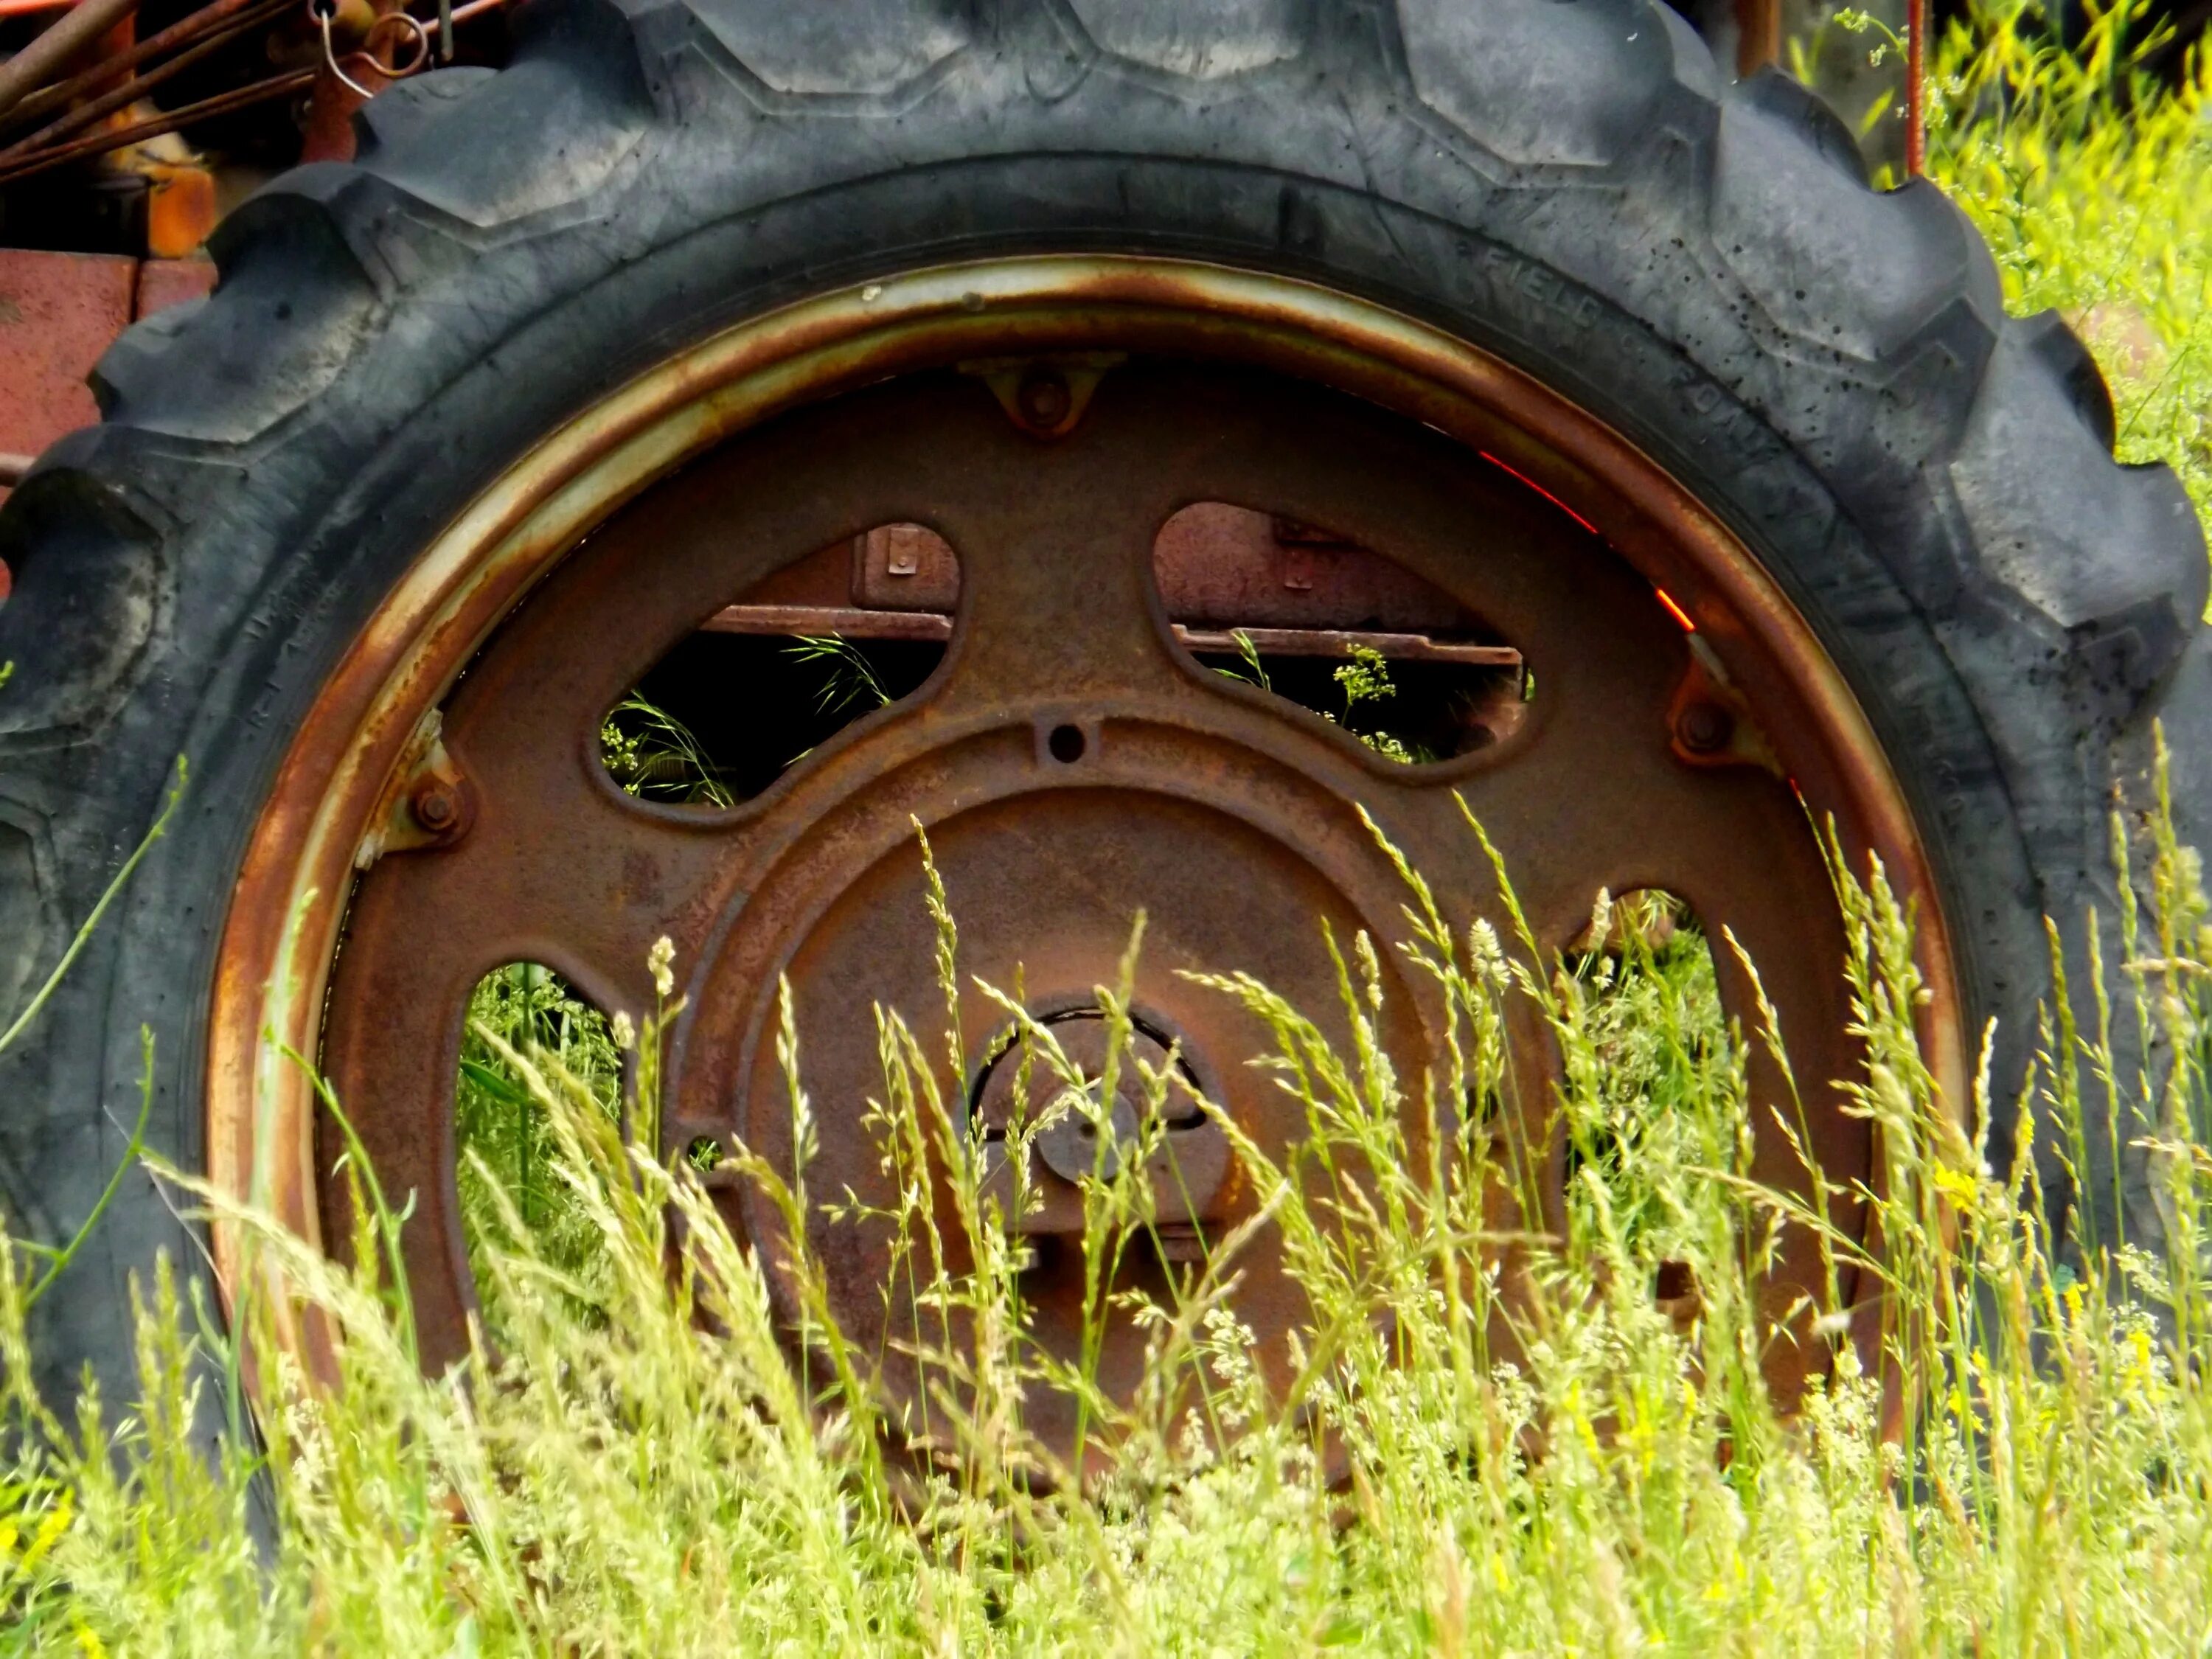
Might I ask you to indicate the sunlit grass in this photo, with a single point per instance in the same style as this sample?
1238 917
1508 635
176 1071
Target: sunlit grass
1533 1457
2093 186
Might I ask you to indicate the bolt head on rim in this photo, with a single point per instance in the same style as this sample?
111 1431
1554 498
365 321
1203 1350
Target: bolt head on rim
1706 727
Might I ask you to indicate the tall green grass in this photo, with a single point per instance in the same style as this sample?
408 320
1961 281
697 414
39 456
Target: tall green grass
1534 1456
2093 186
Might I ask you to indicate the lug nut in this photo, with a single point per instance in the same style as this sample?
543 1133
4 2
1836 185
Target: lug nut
1043 398
435 808
1704 728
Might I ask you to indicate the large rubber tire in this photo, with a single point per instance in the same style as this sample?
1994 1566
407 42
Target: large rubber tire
1568 185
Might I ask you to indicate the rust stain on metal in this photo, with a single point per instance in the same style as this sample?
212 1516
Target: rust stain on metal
1064 1142
1229 822
859 623
1045 394
905 566
427 803
1712 722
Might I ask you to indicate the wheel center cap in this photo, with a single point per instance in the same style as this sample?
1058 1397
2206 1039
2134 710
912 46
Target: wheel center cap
1088 1137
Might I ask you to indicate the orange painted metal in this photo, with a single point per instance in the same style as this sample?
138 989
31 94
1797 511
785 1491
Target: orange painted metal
180 208
1757 35
338 781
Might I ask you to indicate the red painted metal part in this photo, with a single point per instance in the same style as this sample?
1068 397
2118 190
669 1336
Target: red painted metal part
58 312
165 282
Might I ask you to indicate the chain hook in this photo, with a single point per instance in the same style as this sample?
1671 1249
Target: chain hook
323 11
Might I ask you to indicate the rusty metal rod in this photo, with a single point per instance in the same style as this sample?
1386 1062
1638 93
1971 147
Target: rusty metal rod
93 77
850 621
260 92
1341 641
207 18
858 623
222 103
85 115
57 45
462 13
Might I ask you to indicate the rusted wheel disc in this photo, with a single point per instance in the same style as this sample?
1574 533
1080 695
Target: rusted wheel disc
1073 763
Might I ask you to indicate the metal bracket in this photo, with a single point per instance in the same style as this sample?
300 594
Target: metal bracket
1044 395
428 802
1709 722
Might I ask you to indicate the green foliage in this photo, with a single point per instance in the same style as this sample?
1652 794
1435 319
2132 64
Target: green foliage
1250 667
641 1466
2093 186
1646 1012
849 678
37 1507
653 755
508 1151
1365 680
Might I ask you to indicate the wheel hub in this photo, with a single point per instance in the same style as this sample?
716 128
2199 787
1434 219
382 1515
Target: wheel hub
1048 865
1091 1137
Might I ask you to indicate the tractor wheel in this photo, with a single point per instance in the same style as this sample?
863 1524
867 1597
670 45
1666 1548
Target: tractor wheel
1050 345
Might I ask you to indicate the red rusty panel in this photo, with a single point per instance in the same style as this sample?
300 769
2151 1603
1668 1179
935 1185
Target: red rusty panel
1231 567
59 311
165 282
1216 564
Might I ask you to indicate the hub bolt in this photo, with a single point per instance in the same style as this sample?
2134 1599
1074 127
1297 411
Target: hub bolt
1043 398
435 808
1704 728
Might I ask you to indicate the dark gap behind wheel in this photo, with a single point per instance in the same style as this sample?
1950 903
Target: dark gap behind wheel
754 704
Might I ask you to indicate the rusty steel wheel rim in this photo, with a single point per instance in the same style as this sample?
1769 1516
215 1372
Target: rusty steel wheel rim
1071 760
